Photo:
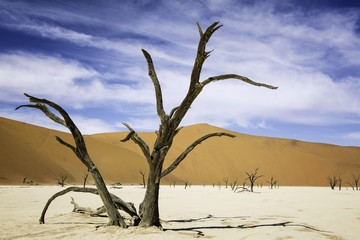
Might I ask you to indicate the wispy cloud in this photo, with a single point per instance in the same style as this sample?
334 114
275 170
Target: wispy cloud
310 54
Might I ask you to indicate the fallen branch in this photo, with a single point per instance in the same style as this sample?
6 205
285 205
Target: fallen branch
129 208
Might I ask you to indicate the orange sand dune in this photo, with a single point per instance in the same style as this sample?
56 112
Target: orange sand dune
32 152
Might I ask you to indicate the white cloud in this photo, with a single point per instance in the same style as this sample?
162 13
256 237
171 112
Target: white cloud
86 125
353 135
65 81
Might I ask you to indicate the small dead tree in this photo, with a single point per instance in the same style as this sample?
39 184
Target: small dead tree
143 177
355 181
62 179
252 178
272 182
80 151
233 185
29 182
226 180
340 182
332 181
85 177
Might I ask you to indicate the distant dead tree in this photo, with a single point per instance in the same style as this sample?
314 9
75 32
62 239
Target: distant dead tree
226 180
62 179
233 185
272 182
340 182
332 181
186 183
143 177
169 126
355 181
85 177
29 182
252 178
80 151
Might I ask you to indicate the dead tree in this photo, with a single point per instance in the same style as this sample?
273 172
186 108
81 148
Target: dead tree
355 181
252 178
186 183
143 177
340 182
272 182
226 180
332 181
80 151
62 179
169 126
85 176
233 185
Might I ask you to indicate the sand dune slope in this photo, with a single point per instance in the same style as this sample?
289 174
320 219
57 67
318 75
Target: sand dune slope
31 151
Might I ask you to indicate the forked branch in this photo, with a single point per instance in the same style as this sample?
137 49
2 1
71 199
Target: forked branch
139 141
66 121
190 148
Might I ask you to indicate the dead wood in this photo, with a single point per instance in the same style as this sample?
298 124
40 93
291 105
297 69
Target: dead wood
127 207
80 151
169 126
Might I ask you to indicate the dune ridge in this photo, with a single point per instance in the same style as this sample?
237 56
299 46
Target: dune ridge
33 152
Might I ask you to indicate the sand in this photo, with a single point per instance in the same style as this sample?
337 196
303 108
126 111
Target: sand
31 151
196 212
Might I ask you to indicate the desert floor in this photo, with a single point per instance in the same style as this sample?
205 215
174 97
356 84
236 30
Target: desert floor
196 212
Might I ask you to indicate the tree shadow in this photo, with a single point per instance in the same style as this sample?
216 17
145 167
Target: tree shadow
203 219
200 229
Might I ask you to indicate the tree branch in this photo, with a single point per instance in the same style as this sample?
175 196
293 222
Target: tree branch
199 28
45 110
173 111
194 88
159 101
118 202
201 54
66 144
139 141
190 148
235 76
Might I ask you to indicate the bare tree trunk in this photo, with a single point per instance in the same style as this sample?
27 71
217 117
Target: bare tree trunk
149 208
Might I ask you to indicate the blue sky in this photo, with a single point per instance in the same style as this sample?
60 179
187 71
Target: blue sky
86 56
